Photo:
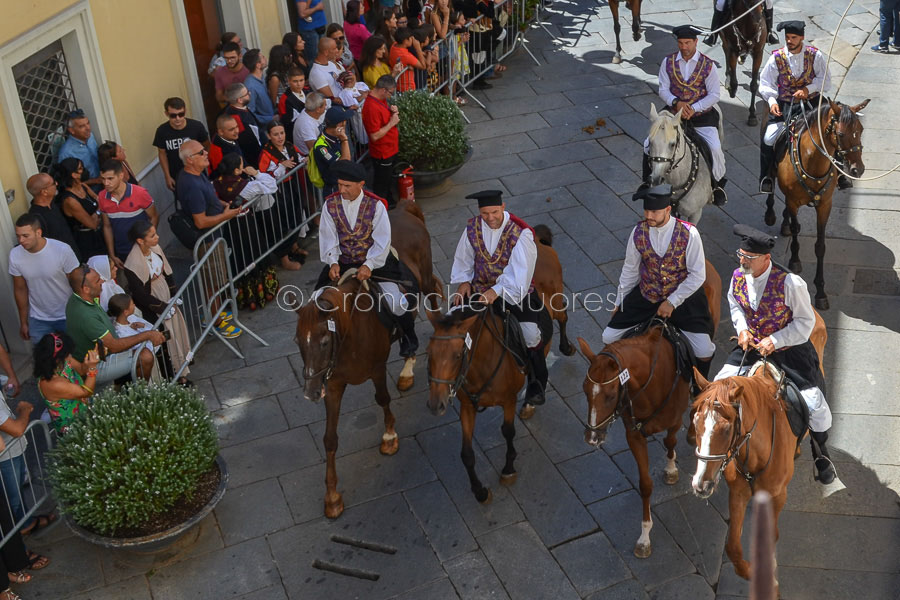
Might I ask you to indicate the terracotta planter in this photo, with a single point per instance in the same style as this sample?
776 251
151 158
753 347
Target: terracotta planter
426 180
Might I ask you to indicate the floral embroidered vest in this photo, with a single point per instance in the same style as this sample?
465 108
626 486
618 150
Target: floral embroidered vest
489 267
661 275
787 83
354 243
772 314
694 88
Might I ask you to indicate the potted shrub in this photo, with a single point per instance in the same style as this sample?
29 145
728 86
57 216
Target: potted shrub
139 468
432 136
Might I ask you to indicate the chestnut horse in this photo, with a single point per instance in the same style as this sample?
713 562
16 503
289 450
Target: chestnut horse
343 342
636 379
743 432
635 6
807 176
745 36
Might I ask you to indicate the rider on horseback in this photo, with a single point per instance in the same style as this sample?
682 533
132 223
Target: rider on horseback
689 82
792 75
663 275
720 17
355 232
772 313
495 258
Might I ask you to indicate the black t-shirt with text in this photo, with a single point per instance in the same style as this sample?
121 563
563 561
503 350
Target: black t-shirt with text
170 140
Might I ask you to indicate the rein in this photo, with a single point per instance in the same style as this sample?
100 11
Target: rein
336 339
681 191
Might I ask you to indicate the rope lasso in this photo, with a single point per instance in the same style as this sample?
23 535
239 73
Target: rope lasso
704 31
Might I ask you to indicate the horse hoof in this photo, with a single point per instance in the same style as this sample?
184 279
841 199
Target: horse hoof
795 267
642 550
390 447
405 383
335 508
732 93
637 36
785 229
567 350
489 497
670 478
508 479
752 121
526 412
616 59
822 303
770 218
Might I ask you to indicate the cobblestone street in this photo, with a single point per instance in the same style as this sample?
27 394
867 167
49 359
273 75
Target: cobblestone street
563 141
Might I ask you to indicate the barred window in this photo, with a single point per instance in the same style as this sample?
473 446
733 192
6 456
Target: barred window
46 94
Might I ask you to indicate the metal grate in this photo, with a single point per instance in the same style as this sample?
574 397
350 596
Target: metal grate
46 94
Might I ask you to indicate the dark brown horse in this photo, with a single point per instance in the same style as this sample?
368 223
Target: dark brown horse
636 379
746 36
635 6
807 177
342 342
743 433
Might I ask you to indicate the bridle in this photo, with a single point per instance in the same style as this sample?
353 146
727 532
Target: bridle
689 147
332 325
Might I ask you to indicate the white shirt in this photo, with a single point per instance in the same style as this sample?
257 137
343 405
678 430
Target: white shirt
329 243
349 97
306 129
321 76
686 68
513 283
15 446
796 297
45 272
768 79
660 237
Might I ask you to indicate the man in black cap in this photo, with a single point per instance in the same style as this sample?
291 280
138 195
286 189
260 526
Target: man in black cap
355 232
722 14
689 83
333 145
773 316
663 275
495 258
793 74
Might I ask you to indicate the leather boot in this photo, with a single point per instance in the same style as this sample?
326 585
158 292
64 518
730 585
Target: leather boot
770 16
645 172
537 377
766 164
720 198
718 20
409 342
824 467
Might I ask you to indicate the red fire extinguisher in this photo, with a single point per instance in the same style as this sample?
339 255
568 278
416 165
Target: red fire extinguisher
405 184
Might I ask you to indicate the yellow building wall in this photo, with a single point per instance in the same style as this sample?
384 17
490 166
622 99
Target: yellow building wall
269 24
143 67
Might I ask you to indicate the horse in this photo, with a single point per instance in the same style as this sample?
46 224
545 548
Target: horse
342 342
636 379
731 419
468 358
807 176
745 36
635 6
675 159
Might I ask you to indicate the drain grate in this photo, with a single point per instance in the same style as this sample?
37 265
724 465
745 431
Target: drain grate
878 282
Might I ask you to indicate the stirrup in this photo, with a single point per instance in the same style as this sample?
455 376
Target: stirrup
825 473
766 185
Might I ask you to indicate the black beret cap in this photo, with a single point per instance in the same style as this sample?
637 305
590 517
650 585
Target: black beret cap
754 240
685 32
487 198
349 170
795 27
655 198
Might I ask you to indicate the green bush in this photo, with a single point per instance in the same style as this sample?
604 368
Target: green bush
132 455
432 131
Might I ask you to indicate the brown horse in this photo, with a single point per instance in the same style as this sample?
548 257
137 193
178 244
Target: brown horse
342 342
743 432
807 177
635 6
636 379
747 35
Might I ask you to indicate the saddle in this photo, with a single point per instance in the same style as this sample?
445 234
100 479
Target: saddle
795 406
691 133
685 361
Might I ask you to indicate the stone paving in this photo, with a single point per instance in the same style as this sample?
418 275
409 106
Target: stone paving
567 527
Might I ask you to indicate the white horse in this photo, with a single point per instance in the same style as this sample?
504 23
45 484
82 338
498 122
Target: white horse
676 160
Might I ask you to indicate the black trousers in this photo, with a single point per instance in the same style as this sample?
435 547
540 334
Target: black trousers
383 179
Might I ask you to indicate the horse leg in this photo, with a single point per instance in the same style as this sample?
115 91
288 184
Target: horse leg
822 214
738 496
731 61
614 9
777 504
565 346
638 445
508 474
754 87
467 424
691 436
770 210
786 220
390 442
636 19
794 263
334 503
671 473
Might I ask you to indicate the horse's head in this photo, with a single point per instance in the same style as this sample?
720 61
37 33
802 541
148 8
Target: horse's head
848 131
665 137
716 421
603 390
321 325
449 353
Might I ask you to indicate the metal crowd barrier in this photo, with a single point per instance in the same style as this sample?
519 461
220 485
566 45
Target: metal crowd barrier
24 497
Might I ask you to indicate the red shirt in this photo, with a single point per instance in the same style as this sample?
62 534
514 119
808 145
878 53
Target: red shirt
375 115
407 81
123 212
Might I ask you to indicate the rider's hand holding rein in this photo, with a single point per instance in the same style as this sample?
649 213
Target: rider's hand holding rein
665 309
462 292
745 340
802 93
766 346
363 273
489 296
334 272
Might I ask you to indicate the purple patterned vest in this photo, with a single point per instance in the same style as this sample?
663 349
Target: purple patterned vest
694 88
660 275
488 268
354 243
787 83
772 314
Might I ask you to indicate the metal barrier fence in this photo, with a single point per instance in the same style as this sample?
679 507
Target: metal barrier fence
23 482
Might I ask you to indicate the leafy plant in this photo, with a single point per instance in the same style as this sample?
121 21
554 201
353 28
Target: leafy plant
530 6
132 455
432 132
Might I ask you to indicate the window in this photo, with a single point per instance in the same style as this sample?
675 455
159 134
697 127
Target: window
46 95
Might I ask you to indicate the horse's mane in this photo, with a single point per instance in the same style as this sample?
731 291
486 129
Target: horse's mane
667 120
719 392
310 314
459 315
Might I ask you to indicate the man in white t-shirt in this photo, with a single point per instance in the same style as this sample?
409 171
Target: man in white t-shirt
307 127
324 71
40 267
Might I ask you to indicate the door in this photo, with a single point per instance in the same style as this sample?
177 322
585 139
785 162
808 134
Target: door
205 25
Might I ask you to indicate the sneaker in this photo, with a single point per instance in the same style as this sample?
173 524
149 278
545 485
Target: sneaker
895 46
880 48
227 330
225 316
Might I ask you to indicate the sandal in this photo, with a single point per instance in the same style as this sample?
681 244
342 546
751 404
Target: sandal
40 522
19 577
37 561
8 594
499 68
461 101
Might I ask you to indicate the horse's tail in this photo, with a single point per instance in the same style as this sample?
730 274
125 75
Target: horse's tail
544 235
